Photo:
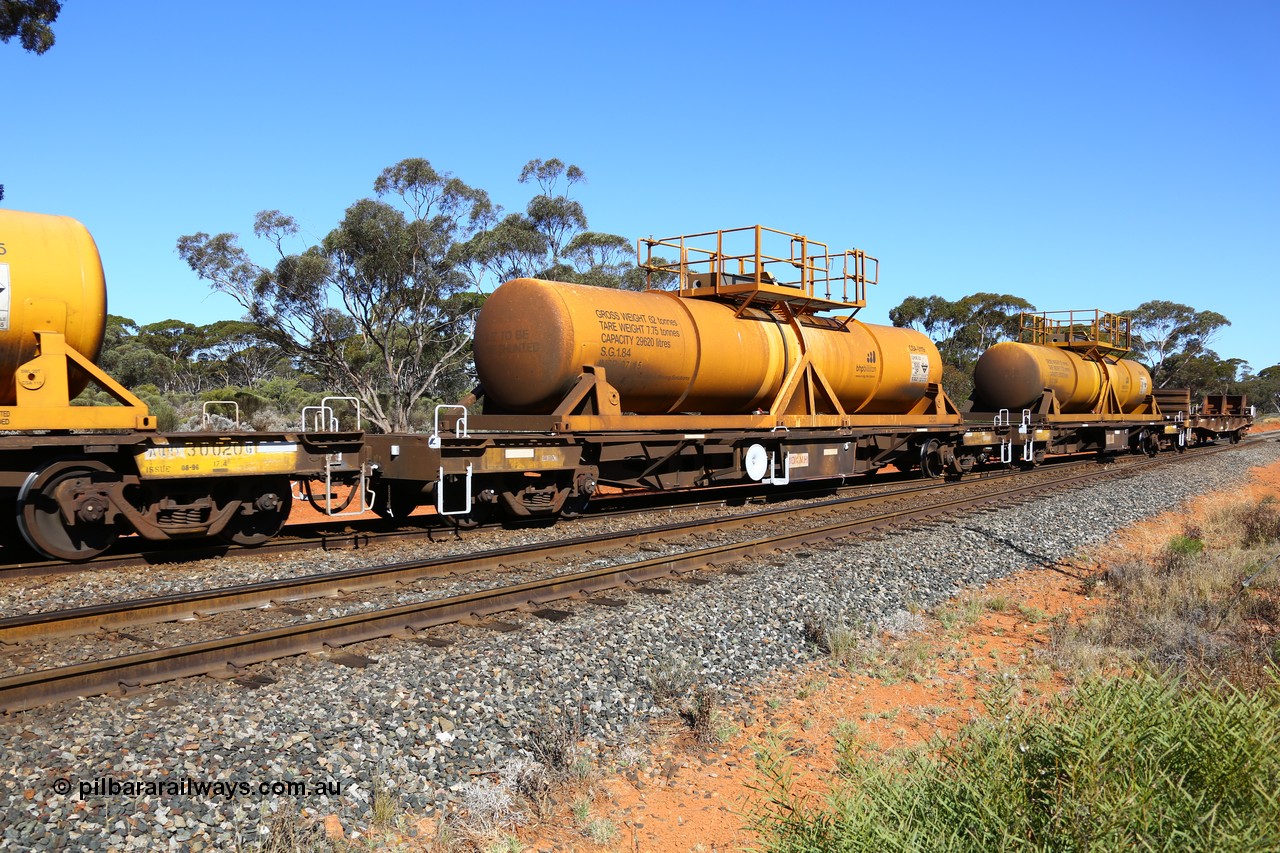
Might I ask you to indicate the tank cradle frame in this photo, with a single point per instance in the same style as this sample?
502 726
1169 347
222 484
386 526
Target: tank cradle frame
96 472
593 405
44 398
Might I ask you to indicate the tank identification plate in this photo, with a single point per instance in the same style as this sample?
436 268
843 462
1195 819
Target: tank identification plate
185 458
4 297
919 368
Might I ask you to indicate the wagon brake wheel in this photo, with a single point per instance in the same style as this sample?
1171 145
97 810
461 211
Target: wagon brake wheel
62 512
270 507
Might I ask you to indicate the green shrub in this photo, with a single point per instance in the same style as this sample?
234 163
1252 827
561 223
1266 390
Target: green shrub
1180 552
1122 763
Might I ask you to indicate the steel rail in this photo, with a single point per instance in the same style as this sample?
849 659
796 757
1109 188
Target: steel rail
364 533
232 654
200 603
194 605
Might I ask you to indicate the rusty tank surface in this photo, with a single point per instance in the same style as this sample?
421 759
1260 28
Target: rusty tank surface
665 353
1078 358
1012 375
51 280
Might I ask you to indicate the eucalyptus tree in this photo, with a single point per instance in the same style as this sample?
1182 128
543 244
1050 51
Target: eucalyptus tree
382 306
1263 389
551 238
963 329
31 21
1167 335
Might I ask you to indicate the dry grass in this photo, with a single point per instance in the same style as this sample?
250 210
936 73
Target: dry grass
1205 602
1168 740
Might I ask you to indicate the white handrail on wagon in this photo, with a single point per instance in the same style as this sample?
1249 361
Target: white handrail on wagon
205 413
323 418
466 506
1006 444
459 426
1029 446
771 480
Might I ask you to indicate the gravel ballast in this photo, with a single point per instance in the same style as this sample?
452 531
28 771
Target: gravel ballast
421 719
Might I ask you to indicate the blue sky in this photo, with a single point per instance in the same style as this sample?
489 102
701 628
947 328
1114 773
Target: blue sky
1077 154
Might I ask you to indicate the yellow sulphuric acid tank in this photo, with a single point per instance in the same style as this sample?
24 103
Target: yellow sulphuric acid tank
50 280
1013 376
665 354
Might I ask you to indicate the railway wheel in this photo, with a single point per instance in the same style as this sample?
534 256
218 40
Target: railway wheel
1151 444
263 517
932 465
396 500
63 511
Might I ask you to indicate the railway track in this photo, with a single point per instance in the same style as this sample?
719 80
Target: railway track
363 534
273 593
230 656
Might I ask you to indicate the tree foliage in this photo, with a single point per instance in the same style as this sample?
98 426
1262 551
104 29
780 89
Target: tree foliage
383 307
176 366
1263 389
965 328
551 238
1172 340
30 21
183 359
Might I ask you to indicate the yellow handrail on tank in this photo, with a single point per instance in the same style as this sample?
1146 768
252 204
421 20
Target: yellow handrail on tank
760 265
1077 330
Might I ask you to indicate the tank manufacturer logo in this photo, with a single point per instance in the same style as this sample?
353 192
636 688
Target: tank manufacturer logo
4 297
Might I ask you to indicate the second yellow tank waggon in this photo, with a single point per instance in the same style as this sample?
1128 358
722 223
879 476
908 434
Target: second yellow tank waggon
665 354
1012 375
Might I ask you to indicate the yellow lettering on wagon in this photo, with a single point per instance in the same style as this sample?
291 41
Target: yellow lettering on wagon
217 459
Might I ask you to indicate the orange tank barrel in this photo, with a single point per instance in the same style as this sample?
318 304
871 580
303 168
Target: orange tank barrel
1013 376
1132 382
665 354
51 280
